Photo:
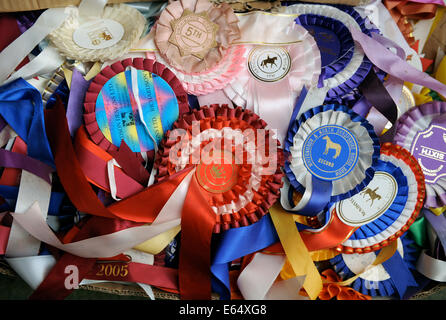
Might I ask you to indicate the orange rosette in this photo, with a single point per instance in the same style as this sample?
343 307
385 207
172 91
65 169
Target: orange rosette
239 183
194 35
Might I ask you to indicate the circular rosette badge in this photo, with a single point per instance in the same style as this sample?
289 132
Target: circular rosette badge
268 63
193 34
236 162
386 208
422 131
333 154
330 152
135 101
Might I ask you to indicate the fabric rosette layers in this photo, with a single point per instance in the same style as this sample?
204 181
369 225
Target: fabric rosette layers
218 153
196 40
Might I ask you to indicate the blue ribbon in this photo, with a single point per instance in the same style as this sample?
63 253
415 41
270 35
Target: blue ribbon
399 274
22 108
236 243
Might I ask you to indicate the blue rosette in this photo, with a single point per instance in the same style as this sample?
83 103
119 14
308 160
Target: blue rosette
389 279
333 40
333 153
355 70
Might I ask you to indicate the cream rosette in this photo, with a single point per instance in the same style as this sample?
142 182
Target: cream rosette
100 38
333 146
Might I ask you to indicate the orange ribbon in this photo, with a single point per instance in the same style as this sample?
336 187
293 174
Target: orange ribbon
401 11
332 290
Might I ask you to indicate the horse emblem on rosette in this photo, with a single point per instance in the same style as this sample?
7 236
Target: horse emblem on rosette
332 145
268 60
372 194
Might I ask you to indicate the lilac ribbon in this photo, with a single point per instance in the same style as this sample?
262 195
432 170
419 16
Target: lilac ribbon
79 87
391 63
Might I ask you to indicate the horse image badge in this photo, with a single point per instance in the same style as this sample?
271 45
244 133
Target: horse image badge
269 64
330 152
371 202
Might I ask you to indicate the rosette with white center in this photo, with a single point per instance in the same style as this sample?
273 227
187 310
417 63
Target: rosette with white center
388 206
333 146
272 76
103 38
377 281
135 100
422 131
236 162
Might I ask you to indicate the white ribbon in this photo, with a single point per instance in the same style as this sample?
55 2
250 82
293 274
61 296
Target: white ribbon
15 52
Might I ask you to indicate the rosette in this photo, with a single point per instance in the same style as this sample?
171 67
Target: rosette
422 131
135 100
194 35
388 206
347 66
101 38
239 183
272 77
333 155
387 279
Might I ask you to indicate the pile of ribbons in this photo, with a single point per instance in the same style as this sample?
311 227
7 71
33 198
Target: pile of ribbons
223 149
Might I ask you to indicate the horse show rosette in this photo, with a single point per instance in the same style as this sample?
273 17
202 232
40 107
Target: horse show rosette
134 100
333 156
108 37
344 65
270 71
388 206
194 35
239 190
422 131
387 279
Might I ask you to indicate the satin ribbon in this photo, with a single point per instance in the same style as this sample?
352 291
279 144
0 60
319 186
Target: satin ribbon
133 208
431 268
438 223
394 65
75 101
296 251
21 107
12 55
236 243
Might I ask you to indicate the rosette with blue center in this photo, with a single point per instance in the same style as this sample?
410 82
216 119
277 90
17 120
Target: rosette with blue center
344 71
333 153
389 279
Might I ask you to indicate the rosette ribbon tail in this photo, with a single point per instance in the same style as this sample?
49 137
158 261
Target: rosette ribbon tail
296 251
197 225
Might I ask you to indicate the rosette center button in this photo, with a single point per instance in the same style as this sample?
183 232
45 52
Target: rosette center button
330 152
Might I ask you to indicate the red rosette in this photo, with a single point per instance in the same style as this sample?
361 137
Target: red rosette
109 72
238 194
404 155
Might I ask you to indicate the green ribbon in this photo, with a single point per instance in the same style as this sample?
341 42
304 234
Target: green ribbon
418 232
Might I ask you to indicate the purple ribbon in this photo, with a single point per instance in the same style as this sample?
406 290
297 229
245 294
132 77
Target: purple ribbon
438 223
15 160
79 87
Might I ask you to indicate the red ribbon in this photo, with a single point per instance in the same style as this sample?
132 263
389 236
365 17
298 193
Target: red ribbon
78 189
197 225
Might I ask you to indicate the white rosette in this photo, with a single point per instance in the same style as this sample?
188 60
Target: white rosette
131 20
404 218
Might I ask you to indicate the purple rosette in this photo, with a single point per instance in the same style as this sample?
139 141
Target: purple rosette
422 131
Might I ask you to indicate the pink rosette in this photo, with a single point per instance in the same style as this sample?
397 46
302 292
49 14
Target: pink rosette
226 33
215 78
269 98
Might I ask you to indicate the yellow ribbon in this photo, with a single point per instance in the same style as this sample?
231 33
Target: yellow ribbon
158 243
296 251
438 211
